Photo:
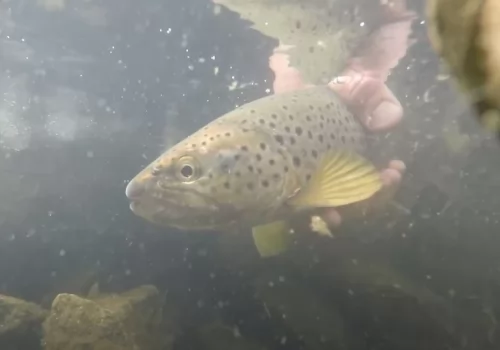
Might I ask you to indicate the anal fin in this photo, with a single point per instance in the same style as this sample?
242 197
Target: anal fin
272 239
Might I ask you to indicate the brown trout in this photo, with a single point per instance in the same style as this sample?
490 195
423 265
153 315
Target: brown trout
258 166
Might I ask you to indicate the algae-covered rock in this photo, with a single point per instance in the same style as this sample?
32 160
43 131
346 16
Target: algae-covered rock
20 323
17 315
132 320
465 34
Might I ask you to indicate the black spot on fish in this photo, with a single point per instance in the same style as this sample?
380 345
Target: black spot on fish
311 49
258 157
308 118
265 183
309 134
332 136
311 107
262 146
285 169
290 116
252 111
298 130
287 128
244 148
237 173
250 168
211 139
236 157
262 121
244 121
314 153
292 140
203 143
308 177
276 176
250 186
259 171
298 25
193 145
271 162
320 138
227 134
279 139
321 125
296 161
322 117
274 116
272 125
210 175
224 168
227 186
245 130
342 138
284 107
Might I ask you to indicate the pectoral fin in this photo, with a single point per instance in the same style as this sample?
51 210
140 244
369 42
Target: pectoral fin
272 239
342 178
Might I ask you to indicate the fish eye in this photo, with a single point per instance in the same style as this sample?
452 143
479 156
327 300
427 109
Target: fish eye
186 169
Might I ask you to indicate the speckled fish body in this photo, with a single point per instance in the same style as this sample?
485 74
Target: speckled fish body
251 165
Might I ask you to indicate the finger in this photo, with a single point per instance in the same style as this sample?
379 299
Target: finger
331 217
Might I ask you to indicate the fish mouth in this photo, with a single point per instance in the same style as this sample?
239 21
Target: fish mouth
171 207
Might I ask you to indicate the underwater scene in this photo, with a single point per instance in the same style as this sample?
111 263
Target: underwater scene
249 175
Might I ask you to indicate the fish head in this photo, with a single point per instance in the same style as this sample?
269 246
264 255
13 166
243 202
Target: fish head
210 180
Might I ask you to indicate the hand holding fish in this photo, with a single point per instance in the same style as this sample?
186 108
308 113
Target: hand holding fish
362 87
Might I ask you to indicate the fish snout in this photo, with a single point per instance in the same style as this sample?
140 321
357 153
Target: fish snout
134 190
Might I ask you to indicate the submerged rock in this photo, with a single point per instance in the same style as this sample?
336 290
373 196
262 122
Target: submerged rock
465 34
131 320
20 323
